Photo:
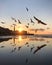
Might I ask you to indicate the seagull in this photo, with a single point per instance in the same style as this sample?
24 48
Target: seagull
19 21
26 43
38 48
28 23
32 21
19 48
27 9
14 19
3 22
39 21
27 26
13 50
32 48
2 46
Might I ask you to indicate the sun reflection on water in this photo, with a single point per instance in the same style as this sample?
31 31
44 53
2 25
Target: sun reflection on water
20 38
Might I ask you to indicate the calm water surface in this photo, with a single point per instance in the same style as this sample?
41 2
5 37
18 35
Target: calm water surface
25 50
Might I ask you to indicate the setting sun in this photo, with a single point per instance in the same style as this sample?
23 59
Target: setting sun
20 29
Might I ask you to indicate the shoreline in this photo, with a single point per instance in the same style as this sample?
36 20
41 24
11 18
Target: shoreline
35 35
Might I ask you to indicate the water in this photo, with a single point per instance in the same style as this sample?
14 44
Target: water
25 50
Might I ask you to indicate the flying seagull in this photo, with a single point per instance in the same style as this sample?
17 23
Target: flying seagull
27 23
27 9
13 50
27 26
26 43
39 21
14 19
3 22
19 21
32 21
32 48
2 46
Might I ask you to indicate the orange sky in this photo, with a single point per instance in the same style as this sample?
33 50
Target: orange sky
31 28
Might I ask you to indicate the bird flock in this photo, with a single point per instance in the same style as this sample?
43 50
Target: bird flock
28 24
31 21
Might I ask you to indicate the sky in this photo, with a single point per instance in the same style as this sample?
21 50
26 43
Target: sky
42 9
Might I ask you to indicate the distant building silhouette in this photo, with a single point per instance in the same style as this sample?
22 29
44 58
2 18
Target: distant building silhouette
6 31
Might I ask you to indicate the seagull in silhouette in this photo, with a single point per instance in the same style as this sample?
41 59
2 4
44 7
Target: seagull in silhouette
27 23
3 22
32 48
27 9
13 50
39 21
2 46
32 21
19 48
19 21
14 19
38 48
26 43
27 26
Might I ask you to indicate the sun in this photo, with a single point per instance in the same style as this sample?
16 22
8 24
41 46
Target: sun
20 29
